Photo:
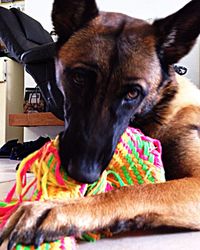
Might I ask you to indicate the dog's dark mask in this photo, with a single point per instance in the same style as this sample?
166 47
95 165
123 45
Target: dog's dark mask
109 67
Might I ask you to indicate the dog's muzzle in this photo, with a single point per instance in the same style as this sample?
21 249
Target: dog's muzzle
83 172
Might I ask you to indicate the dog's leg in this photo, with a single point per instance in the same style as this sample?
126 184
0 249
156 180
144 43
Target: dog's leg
174 203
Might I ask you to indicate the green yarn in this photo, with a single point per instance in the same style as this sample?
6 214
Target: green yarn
127 176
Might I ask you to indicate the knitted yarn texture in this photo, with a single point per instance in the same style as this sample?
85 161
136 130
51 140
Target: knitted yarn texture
137 160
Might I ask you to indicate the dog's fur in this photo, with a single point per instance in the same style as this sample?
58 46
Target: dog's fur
113 70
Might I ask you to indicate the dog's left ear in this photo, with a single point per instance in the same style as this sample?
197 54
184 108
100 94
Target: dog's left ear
70 15
177 33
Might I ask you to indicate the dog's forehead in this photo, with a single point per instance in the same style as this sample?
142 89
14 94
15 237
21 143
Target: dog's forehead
129 41
117 23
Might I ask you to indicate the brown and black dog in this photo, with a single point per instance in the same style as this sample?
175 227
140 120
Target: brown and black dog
113 69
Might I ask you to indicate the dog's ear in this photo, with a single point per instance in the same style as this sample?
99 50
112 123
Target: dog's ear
177 33
70 15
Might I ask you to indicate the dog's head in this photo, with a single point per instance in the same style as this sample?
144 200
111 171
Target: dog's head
109 67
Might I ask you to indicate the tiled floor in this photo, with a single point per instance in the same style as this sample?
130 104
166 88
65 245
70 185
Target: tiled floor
156 240
7 176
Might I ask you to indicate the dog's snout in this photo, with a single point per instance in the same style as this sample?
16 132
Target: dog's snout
84 172
84 160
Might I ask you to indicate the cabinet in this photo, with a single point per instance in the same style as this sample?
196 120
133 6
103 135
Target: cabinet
11 98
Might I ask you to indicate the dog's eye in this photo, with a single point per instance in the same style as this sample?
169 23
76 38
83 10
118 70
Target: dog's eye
132 94
78 78
81 77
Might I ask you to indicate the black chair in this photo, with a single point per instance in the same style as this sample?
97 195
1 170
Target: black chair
28 43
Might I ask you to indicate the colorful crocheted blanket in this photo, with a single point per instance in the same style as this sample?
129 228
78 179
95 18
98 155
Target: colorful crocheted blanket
137 160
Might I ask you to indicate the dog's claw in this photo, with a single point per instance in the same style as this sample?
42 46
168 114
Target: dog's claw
1 240
11 243
38 222
39 239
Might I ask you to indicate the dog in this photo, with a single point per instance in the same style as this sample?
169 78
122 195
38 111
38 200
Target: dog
115 70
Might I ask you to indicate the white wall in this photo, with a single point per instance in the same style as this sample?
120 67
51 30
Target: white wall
41 11
142 8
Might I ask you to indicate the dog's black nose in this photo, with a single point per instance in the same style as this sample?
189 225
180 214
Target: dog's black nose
85 173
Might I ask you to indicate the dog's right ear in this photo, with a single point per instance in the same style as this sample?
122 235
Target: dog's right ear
70 15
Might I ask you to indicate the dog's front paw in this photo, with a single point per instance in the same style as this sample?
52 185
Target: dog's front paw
36 222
